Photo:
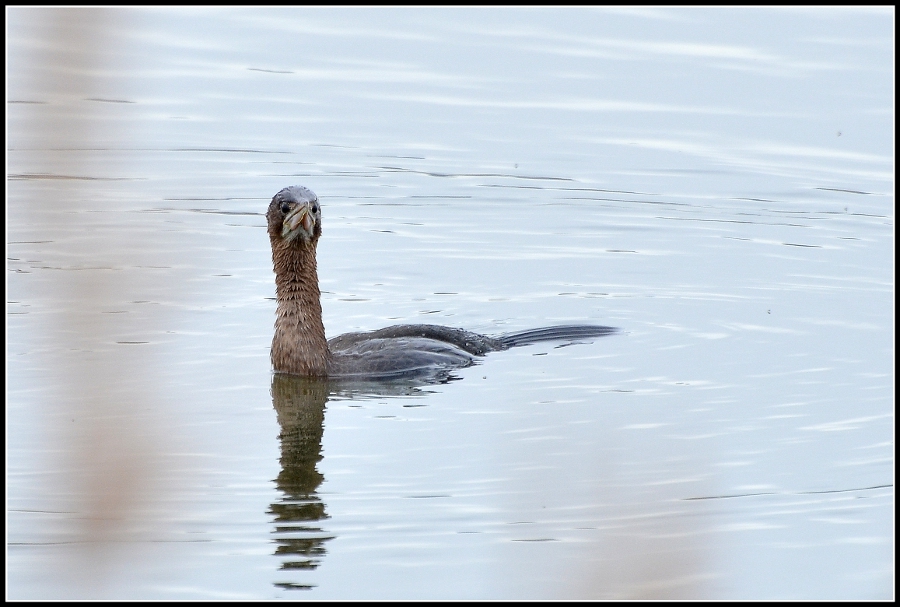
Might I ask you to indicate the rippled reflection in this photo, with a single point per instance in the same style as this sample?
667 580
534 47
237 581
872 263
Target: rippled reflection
299 537
300 407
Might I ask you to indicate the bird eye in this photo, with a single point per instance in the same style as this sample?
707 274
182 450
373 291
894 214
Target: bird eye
285 207
315 207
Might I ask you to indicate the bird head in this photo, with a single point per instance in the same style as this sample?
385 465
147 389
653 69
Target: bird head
295 215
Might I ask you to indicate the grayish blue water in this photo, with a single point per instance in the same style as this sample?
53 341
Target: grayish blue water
718 183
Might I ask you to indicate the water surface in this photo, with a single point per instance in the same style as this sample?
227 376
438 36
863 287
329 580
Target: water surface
716 183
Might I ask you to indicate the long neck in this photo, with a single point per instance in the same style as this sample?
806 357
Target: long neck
299 345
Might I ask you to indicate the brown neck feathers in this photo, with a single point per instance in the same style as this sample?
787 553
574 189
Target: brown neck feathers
299 345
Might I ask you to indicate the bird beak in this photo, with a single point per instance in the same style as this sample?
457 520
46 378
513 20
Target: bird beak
296 221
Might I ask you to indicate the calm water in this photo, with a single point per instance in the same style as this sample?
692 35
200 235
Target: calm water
717 183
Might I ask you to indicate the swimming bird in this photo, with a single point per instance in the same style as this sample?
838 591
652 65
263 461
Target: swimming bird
299 345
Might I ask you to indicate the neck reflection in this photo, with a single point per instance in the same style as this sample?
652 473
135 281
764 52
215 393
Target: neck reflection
300 540
300 407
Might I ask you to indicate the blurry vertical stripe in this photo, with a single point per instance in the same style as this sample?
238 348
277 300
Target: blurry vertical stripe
105 442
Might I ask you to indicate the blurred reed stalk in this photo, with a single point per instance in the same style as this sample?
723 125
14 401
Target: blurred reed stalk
105 452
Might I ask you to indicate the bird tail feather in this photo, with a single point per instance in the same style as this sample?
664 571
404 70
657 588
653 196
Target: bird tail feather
563 332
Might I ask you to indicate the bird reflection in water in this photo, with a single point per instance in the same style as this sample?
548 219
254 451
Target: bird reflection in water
300 407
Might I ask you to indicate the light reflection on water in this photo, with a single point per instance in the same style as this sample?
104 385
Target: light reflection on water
725 197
